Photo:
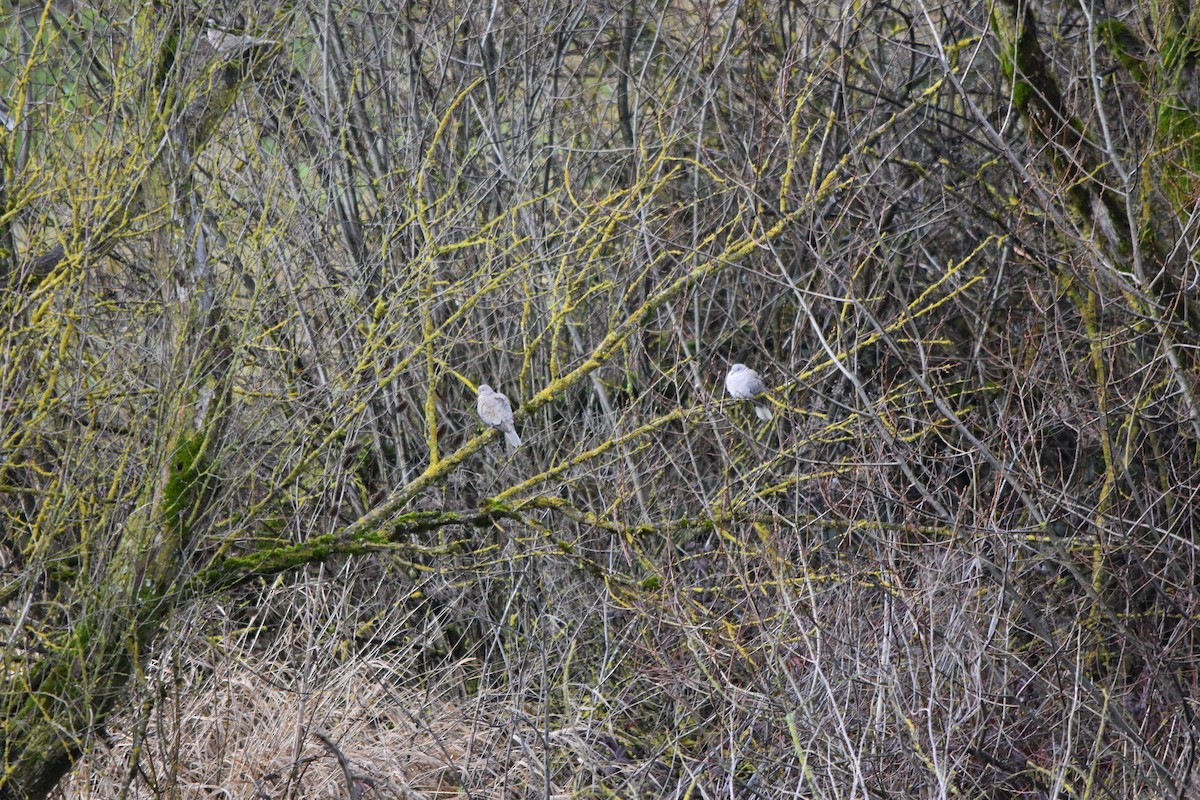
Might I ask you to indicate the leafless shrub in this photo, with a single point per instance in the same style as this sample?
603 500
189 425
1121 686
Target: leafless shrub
257 542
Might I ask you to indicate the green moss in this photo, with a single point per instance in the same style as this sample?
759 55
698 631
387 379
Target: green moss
1020 55
1125 45
1020 93
1179 127
492 508
181 489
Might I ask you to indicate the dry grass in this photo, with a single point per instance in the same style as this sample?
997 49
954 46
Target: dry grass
239 720
244 735
758 663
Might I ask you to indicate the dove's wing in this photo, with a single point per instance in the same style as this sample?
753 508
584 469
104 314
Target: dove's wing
495 410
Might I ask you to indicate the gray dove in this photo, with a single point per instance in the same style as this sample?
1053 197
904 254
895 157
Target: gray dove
494 409
744 384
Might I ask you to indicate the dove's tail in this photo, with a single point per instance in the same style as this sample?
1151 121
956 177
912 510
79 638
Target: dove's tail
763 412
513 439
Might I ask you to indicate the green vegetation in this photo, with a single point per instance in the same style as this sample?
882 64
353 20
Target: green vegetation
255 540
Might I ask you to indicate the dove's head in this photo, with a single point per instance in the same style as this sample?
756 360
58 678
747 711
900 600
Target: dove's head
485 389
737 368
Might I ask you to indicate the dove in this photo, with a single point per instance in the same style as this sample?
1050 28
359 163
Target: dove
494 409
744 384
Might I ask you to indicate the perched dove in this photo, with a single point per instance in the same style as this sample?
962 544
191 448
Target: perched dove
494 409
744 384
